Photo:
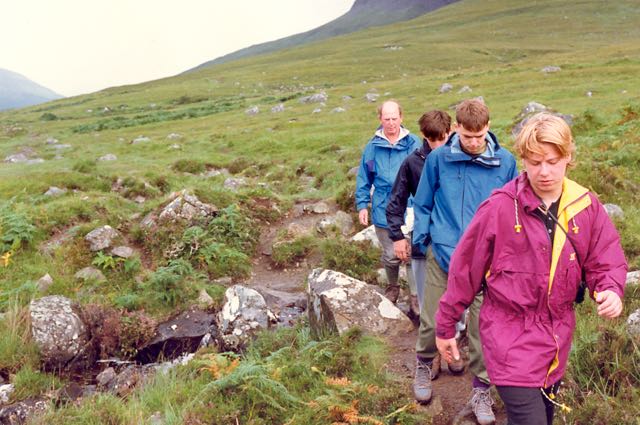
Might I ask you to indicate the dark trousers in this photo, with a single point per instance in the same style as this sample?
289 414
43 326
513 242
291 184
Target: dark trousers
527 406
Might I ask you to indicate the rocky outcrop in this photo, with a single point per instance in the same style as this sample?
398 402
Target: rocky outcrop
243 314
57 330
182 207
338 302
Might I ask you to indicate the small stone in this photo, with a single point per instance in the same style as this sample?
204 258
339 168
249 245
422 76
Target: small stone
445 88
90 274
108 157
204 298
465 89
278 108
44 282
551 69
254 110
55 191
105 377
122 251
614 211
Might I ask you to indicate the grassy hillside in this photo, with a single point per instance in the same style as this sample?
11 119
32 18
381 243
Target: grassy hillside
496 47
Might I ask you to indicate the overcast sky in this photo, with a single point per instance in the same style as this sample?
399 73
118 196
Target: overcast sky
81 46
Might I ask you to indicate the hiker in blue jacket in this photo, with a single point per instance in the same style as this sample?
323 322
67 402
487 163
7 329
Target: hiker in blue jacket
380 163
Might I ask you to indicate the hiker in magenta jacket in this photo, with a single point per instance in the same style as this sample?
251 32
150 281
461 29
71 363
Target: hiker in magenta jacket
530 269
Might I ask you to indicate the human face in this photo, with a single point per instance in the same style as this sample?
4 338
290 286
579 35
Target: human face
546 172
472 142
390 119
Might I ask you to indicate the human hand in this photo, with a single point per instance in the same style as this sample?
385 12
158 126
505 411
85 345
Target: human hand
610 304
363 216
448 349
401 249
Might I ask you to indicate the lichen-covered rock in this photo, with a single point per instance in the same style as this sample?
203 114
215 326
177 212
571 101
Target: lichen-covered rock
338 302
368 234
57 330
243 314
185 206
340 220
101 238
22 411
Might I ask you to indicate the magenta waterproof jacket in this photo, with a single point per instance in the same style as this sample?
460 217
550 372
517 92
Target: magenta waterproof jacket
527 316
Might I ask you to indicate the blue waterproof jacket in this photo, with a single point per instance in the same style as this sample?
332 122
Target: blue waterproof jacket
452 186
379 166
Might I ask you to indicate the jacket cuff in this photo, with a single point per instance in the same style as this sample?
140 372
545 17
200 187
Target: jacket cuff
445 333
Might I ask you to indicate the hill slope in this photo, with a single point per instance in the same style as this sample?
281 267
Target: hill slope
17 91
363 14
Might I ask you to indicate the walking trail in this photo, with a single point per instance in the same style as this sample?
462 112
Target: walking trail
450 392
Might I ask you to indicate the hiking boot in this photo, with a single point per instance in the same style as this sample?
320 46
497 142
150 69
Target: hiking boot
422 382
392 292
480 405
414 306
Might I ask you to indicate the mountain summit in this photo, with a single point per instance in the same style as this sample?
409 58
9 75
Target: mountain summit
363 14
17 91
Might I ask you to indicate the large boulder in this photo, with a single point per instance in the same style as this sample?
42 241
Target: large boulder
243 314
57 330
531 109
338 302
101 238
22 411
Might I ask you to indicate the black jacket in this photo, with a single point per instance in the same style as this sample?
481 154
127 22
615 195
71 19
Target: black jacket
405 185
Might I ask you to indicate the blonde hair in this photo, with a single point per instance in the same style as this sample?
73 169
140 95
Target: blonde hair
545 128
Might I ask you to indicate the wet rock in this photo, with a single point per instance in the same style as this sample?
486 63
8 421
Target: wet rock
614 211
44 282
368 234
108 157
445 88
340 220
90 274
23 411
179 335
338 302
55 191
101 238
122 252
57 330
243 314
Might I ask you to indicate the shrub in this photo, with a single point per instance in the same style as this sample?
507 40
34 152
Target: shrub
170 284
355 259
48 116
222 261
192 166
288 253
85 166
234 230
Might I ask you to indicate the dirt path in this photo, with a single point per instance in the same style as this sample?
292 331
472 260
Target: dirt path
285 290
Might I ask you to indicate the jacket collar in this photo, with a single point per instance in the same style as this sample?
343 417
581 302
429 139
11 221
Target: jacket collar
380 138
488 159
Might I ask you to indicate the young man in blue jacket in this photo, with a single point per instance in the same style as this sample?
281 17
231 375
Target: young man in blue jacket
435 127
381 159
455 180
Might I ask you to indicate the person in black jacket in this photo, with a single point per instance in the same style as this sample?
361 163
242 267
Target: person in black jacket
435 127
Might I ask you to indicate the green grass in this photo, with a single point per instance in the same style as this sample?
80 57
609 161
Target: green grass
497 47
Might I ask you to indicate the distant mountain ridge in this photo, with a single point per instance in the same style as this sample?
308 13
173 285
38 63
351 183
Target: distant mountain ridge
363 14
17 91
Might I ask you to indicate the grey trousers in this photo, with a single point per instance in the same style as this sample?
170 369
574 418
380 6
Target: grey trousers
435 286
390 261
